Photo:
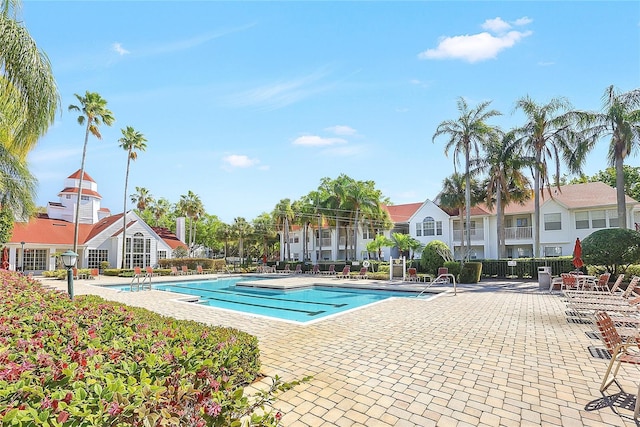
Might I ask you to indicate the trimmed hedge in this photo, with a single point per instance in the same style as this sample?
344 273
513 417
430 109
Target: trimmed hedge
93 362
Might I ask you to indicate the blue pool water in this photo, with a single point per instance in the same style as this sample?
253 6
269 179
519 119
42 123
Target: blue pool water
298 305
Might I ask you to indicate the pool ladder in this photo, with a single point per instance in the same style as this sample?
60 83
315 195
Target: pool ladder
138 285
443 278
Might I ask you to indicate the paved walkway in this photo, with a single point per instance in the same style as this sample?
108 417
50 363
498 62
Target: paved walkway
496 354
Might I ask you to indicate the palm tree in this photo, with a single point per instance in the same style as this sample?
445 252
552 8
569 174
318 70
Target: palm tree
376 245
547 136
619 118
361 196
505 181
283 216
191 206
241 228
131 142
160 208
143 199
94 113
28 93
402 242
467 134
224 233
265 231
17 185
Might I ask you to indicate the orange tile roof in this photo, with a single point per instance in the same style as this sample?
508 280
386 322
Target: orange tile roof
42 229
402 213
76 175
169 237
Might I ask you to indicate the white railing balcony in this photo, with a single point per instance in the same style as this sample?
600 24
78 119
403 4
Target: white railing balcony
326 242
518 233
476 234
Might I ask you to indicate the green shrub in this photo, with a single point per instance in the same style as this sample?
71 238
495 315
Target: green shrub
614 248
453 267
431 259
471 272
91 362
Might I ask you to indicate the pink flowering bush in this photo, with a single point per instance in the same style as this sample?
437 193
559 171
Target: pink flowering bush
90 362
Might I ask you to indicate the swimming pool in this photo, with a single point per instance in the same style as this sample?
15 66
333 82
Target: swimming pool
298 305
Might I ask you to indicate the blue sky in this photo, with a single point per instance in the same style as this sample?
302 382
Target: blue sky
246 103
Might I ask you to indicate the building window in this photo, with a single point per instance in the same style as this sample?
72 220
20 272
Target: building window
552 222
162 254
552 251
68 196
439 228
35 259
140 255
598 219
96 256
368 233
84 198
522 222
428 226
582 220
613 218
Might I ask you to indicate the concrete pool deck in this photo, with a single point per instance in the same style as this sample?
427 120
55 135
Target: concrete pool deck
499 353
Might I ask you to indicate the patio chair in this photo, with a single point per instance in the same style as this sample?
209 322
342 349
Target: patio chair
285 270
601 284
185 270
614 291
137 272
298 269
412 275
331 271
569 281
362 274
346 273
150 272
199 269
620 352
315 270
174 271
95 274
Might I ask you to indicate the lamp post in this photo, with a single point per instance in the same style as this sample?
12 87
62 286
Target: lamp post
22 257
69 260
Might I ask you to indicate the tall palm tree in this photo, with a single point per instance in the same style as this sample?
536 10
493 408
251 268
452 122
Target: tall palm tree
506 182
94 112
242 229
265 231
547 136
28 93
361 196
224 233
17 185
283 216
132 141
467 135
620 119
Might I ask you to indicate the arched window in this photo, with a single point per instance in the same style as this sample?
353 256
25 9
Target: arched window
138 251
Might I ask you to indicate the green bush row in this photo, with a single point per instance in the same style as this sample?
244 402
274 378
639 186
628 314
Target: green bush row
91 362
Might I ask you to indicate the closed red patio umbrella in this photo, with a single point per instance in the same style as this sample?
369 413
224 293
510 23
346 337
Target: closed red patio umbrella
5 258
577 254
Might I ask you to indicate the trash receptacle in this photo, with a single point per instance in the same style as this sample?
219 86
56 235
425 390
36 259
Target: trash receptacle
544 278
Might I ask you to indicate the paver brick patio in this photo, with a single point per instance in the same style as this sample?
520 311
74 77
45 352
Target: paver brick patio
497 354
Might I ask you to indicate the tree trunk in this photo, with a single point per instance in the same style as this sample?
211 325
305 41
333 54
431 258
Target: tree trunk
124 211
77 218
536 202
500 220
467 202
620 195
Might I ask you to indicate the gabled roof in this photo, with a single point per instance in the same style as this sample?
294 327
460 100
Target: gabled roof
103 224
586 195
402 213
76 175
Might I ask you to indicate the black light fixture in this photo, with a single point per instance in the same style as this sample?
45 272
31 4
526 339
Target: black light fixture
69 260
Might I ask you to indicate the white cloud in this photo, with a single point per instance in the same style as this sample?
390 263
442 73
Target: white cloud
473 48
482 46
496 25
523 21
117 47
341 130
317 141
239 161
